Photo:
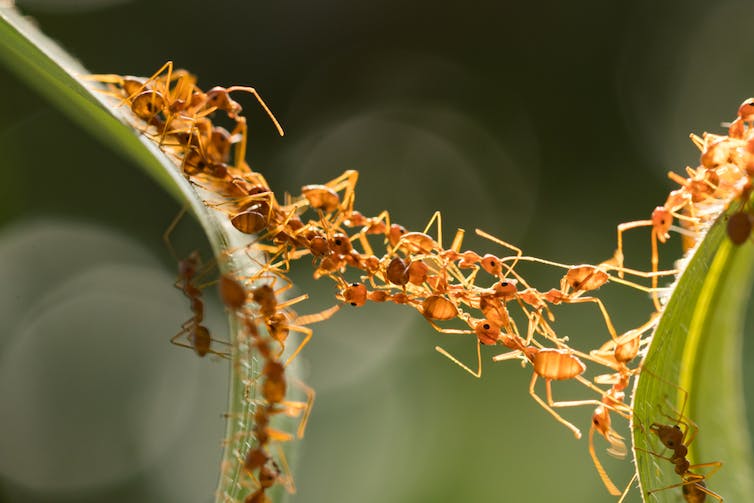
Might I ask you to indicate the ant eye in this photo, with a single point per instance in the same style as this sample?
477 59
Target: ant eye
486 326
354 284
596 422
338 242
353 304
503 283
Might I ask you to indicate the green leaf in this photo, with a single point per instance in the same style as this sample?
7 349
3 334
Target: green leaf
53 73
694 358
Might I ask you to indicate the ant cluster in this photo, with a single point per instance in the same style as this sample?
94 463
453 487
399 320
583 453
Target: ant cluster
482 294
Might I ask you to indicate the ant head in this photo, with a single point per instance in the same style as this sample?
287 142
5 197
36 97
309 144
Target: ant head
395 233
319 245
670 436
487 332
746 110
277 326
188 266
492 265
355 294
736 128
506 288
219 98
661 221
355 219
601 420
340 244
468 259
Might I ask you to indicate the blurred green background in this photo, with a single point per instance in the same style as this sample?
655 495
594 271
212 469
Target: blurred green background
545 124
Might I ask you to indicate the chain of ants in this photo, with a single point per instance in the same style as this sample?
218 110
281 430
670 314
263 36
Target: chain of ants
416 270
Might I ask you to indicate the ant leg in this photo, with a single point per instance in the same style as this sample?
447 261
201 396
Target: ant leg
306 320
571 403
287 481
167 66
455 360
605 315
549 409
691 481
511 355
715 464
656 454
184 330
279 435
293 301
169 231
598 466
253 91
446 330
346 182
618 255
436 219
293 409
655 266
240 151
519 251
709 492
628 488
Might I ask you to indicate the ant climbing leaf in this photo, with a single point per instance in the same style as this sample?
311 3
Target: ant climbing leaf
696 351
56 75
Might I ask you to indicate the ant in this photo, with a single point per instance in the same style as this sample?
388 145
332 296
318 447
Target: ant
616 354
197 334
677 437
279 323
550 364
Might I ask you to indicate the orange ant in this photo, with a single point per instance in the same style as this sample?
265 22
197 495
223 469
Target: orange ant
279 323
184 95
580 279
617 354
325 197
551 365
745 114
